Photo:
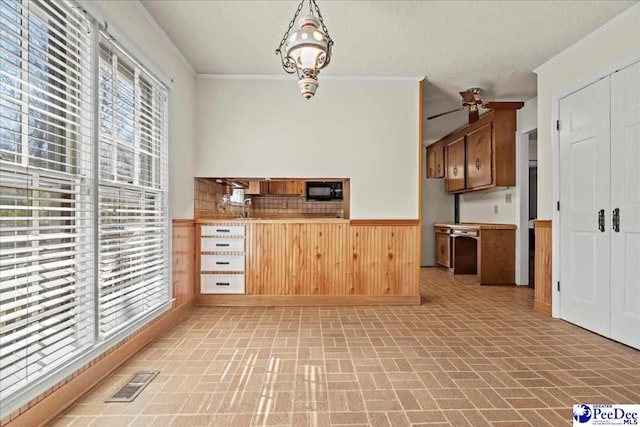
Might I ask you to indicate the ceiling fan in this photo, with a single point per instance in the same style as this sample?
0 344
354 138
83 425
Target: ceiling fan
471 101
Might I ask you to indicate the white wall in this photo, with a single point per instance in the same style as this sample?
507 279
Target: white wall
481 207
437 206
609 48
131 20
363 130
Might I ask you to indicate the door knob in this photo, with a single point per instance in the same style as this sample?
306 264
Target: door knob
616 220
601 220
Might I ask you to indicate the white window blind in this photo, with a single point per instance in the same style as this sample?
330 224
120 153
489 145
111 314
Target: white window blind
46 211
133 183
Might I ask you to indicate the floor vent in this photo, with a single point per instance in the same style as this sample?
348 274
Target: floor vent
131 390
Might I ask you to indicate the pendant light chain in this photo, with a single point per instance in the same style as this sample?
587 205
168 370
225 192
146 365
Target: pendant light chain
324 27
291 24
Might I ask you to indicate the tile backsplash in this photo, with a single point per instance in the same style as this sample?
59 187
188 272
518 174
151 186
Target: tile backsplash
208 203
294 205
208 200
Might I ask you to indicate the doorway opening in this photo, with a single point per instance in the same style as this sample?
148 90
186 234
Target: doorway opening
533 201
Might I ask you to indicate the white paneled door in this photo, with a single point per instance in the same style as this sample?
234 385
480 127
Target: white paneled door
585 214
625 201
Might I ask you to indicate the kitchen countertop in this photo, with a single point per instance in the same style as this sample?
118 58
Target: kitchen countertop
477 226
273 220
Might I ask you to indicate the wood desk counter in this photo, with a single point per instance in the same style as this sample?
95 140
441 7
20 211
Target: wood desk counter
491 256
478 226
322 261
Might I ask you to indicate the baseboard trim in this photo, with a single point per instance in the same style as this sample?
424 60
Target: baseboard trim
58 401
305 300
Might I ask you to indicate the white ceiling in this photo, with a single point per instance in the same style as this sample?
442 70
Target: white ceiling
456 44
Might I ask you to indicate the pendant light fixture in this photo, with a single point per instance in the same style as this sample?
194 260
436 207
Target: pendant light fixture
307 50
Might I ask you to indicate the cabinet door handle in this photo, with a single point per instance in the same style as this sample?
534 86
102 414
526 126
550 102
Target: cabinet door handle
438 169
616 220
455 170
601 220
442 250
222 283
222 230
478 163
222 245
430 171
222 262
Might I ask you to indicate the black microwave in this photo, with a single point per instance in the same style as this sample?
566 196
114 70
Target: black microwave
319 190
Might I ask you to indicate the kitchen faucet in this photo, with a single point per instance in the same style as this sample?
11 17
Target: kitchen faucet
245 214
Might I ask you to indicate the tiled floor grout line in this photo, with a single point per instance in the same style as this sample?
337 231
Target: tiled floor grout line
500 359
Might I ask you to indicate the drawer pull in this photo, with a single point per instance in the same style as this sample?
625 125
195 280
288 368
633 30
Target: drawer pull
222 262
222 245
223 230
222 283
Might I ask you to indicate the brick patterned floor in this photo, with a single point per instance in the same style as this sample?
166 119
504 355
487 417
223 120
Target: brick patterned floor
468 356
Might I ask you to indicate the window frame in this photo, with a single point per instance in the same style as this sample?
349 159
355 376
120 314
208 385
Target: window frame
101 343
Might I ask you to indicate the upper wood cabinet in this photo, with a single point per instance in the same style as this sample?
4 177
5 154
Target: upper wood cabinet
276 188
435 161
286 188
479 164
455 166
295 188
256 188
486 151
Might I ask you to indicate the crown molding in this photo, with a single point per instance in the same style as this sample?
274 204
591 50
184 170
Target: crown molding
323 77
163 35
577 45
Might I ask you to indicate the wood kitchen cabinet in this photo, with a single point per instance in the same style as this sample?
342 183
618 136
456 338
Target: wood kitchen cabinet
486 250
256 188
435 161
275 188
456 166
479 164
295 188
485 151
286 188
443 247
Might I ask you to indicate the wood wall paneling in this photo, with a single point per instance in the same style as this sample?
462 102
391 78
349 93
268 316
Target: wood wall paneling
543 284
384 261
183 261
297 259
331 259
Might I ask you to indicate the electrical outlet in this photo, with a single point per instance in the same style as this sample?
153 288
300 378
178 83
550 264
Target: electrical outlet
507 198
495 209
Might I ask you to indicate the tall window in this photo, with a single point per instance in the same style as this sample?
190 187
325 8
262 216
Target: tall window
46 228
133 189
84 244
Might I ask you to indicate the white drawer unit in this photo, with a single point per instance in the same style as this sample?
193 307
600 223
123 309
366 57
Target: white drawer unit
222 263
217 244
222 230
220 272
222 283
